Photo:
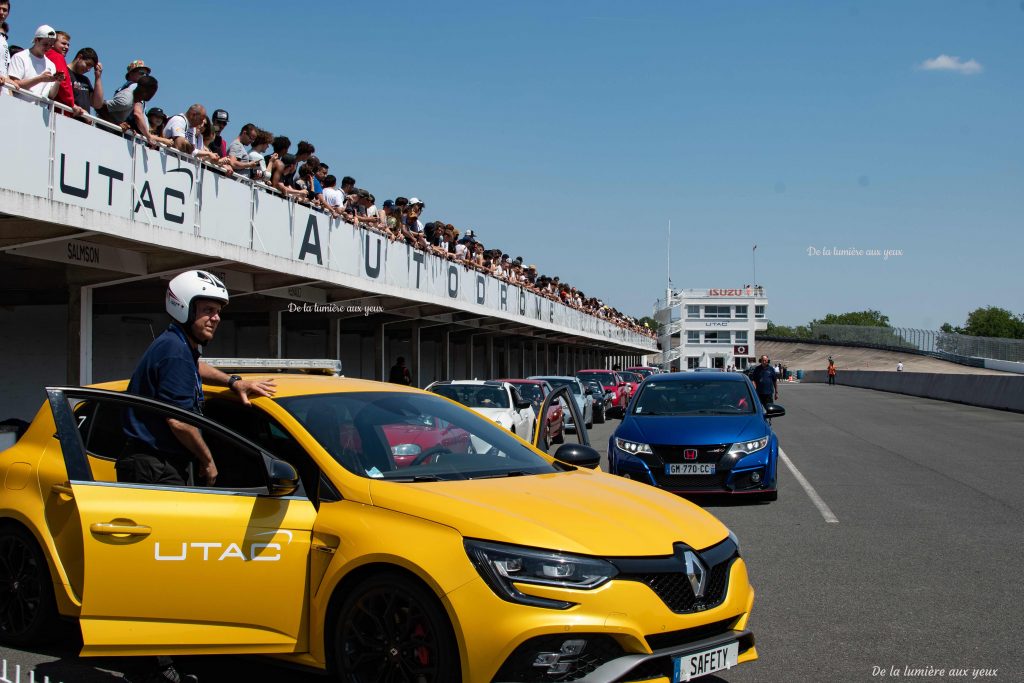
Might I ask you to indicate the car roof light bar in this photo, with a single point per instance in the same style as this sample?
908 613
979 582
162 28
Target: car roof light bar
320 366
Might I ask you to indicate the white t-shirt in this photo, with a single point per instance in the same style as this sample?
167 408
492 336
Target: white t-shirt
461 250
334 197
25 65
177 127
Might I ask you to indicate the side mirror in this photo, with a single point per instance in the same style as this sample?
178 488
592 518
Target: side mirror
578 455
774 410
523 404
622 384
284 480
589 391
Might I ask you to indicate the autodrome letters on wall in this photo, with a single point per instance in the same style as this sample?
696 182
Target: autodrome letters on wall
104 172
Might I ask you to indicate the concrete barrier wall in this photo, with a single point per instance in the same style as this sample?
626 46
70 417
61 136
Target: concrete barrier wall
1004 392
1004 365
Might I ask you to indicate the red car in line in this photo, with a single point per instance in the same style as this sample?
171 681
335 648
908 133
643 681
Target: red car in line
632 380
611 381
536 391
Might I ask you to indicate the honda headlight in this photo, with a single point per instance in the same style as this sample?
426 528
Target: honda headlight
632 447
748 447
502 566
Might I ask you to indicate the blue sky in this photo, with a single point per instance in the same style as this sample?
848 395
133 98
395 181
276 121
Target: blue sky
572 133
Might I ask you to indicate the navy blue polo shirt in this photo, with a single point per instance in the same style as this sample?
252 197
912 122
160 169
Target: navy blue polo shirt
168 372
764 379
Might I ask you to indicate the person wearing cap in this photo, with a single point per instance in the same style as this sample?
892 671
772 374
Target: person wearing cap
119 108
87 95
220 121
32 70
157 119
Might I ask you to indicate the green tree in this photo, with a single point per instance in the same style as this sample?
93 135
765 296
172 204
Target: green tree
869 318
993 321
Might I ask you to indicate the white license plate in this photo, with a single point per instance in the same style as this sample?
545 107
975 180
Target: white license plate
690 468
705 662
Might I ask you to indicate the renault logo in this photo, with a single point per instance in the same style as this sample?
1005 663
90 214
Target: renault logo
696 573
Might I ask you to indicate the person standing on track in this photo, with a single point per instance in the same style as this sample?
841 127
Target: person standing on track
766 380
831 372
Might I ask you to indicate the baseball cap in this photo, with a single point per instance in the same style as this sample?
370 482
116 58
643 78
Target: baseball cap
137 64
388 203
470 234
156 111
46 31
220 116
414 201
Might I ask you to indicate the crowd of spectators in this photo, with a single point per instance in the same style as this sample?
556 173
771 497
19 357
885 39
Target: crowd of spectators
264 158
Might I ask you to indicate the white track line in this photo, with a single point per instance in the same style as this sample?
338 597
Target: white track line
823 508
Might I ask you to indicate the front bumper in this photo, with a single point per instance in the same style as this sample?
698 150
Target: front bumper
631 634
751 474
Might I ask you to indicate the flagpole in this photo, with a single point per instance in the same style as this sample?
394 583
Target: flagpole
753 256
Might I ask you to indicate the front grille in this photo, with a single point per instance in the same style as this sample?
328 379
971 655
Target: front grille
519 666
705 453
676 592
668 579
660 641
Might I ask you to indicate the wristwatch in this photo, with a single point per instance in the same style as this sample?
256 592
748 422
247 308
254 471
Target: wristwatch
231 381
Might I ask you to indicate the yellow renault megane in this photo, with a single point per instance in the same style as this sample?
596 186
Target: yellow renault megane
374 531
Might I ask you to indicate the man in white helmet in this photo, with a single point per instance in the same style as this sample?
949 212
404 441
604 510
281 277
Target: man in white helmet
160 451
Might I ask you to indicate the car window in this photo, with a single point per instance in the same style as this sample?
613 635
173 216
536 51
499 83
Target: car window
573 385
605 378
531 392
101 424
474 395
262 429
411 437
680 397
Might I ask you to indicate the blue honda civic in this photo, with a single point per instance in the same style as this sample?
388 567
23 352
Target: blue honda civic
691 433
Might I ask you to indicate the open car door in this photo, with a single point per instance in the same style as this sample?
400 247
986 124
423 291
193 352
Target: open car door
183 569
569 404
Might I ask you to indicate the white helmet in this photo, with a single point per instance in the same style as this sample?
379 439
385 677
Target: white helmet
184 289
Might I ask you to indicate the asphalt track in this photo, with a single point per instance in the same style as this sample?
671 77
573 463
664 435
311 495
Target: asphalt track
920 564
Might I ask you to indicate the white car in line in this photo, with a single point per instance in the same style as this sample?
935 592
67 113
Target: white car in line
498 401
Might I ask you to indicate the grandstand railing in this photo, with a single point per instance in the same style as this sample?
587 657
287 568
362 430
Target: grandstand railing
119 175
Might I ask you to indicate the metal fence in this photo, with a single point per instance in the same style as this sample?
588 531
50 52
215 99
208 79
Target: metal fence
931 342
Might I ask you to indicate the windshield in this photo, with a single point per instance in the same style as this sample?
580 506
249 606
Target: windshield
411 437
631 377
474 395
605 378
679 397
531 392
643 372
556 382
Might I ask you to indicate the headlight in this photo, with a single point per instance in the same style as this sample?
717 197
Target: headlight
632 446
748 447
734 539
501 566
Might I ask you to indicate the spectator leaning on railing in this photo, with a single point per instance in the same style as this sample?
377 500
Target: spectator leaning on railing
220 121
237 152
87 95
185 130
65 88
119 108
31 70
